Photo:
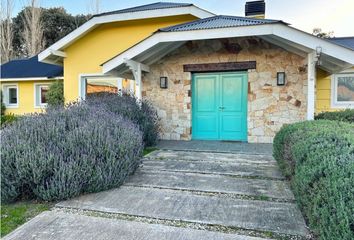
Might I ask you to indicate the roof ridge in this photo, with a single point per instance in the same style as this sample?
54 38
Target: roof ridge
207 20
135 8
348 37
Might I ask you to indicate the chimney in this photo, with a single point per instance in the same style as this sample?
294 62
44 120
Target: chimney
255 9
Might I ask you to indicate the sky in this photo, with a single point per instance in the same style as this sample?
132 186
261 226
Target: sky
329 15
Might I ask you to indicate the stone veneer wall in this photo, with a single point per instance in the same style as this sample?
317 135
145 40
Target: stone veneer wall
269 105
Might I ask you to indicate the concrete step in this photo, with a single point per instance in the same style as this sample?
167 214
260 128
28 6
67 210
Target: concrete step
264 170
55 225
210 156
212 183
278 217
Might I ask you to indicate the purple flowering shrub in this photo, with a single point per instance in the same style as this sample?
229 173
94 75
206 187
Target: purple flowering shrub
127 106
66 152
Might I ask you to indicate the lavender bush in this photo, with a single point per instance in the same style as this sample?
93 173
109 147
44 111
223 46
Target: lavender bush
66 152
127 106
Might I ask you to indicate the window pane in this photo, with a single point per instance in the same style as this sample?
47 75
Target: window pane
13 95
101 85
345 89
44 91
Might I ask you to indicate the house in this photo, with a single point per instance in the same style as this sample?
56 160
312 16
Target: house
24 84
209 76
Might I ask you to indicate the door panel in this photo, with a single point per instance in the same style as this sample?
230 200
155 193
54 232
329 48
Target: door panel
205 101
233 116
219 106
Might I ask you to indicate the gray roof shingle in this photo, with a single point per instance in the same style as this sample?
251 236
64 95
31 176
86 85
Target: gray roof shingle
152 6
27 68
220 21
347 42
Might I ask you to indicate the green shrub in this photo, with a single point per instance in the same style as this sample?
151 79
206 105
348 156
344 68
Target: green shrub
55 94
7 119
127 106
65 152
3 108
346 115
318 158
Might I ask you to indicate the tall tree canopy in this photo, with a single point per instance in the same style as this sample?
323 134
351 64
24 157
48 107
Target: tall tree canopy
56 23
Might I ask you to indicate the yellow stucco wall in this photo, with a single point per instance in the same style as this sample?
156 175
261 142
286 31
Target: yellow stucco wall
25 97
323 92
106 41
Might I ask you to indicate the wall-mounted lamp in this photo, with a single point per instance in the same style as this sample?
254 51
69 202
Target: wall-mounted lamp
318 55
163 82
281 78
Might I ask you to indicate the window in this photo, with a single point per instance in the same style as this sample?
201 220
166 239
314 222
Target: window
40 95
96 84
343 90
10 93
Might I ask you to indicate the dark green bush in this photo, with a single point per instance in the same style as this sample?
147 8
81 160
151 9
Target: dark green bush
318 158
65 152
127 106
3 108
7 119
346 115
55 94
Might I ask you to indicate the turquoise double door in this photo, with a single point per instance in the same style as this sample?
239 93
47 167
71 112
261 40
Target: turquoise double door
219 106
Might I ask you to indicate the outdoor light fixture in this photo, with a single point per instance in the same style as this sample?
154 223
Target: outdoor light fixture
281 78
163 82
318 55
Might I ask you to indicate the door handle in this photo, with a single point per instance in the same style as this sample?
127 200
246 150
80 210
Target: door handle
221 108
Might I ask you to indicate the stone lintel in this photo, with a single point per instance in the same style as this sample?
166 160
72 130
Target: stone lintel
223 66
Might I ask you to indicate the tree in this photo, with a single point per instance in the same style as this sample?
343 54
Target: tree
319 33
94 6
55 94
6 31
56 22
33 32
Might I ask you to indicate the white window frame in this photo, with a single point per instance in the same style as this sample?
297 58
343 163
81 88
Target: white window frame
84 77
334 85
38 86
5 88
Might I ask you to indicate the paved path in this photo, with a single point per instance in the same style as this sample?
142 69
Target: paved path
181 195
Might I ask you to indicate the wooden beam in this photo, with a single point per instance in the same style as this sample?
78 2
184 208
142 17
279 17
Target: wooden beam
215 67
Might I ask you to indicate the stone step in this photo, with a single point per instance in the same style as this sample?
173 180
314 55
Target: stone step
55 225
210 156
212 183
266 170
278 217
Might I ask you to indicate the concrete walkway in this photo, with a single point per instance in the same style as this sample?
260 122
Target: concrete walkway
182 195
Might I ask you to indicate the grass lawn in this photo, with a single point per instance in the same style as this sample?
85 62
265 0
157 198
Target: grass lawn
149 150
16 214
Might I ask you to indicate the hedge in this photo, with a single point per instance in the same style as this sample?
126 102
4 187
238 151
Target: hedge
66 152
346 115
143 114
318 158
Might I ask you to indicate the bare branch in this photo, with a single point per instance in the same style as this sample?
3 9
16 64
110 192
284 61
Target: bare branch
6 30
33 35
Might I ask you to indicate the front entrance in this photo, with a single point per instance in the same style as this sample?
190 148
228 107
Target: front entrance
219 106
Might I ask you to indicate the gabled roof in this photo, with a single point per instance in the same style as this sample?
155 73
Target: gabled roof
53 55
220 21
334 57
152 6
30 68
344 41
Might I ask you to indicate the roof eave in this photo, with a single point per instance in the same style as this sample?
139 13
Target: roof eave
94 22
289 34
